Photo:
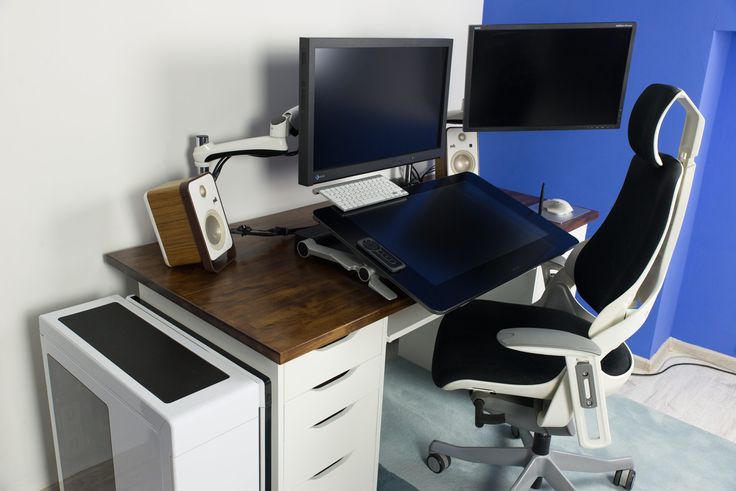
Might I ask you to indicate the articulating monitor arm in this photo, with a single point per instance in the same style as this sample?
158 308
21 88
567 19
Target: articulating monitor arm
260 146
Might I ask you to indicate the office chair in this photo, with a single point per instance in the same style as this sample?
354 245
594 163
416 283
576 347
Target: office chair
546 369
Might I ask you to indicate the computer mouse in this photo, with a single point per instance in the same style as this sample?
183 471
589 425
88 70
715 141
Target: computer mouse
557 207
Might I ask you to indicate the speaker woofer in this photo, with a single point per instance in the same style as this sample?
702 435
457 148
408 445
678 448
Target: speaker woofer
214 230
462 161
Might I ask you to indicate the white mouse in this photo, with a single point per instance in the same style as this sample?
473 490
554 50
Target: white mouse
557 207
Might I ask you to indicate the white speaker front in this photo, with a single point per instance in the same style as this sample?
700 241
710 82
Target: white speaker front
210 215
462 151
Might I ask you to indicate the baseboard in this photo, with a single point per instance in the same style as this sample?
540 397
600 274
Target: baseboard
674 348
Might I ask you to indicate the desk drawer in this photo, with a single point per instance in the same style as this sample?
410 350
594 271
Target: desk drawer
319 366
310 451
308 409
354 472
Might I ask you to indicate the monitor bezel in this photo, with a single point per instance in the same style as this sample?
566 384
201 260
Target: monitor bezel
307 47
519 27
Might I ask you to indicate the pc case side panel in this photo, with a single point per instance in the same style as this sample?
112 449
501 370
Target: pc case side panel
99 440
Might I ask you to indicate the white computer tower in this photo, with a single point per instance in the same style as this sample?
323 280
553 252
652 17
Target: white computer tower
138 404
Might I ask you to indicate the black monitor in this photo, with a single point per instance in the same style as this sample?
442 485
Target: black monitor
546 76
369 104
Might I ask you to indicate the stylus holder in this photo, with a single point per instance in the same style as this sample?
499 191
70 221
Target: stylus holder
310 247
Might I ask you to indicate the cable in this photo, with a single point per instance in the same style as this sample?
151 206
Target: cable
270 232
427 172
682 364
411 175
218 167
220 163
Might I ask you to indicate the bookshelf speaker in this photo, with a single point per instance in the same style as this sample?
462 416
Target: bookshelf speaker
461 153
190 223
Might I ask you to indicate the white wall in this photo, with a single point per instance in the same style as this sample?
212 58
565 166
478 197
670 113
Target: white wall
98 102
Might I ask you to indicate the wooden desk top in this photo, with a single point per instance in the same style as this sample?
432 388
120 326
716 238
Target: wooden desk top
270 298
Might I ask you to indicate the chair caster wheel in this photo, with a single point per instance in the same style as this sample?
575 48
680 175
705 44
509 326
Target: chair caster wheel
629 482
515 432
438 462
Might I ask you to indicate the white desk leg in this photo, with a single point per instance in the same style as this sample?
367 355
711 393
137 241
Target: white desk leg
380 406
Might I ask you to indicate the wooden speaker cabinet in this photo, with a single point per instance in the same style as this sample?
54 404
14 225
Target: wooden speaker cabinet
190 223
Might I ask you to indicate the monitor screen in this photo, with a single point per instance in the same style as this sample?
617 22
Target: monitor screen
370 104
546 76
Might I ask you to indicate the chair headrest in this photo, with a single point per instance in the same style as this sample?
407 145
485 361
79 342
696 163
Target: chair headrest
646 119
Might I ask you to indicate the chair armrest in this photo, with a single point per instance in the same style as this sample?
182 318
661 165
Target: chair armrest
583 378
547 342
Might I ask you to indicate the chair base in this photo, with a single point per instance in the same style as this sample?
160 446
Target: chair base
537 460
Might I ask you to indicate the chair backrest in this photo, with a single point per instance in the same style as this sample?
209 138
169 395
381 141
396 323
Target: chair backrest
620 270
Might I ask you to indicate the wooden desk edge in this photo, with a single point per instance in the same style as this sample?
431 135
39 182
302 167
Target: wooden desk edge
111 259
278 357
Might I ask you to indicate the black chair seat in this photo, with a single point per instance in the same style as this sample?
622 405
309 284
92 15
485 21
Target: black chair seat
466 345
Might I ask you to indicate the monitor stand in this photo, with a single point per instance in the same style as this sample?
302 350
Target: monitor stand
319 242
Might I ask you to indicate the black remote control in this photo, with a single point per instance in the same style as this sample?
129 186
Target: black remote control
380 254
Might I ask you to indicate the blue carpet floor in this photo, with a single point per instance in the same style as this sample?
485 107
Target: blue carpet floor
388 481
668 454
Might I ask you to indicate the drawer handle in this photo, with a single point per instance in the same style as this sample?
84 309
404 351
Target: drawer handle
333 417
338 342
340 377
330 468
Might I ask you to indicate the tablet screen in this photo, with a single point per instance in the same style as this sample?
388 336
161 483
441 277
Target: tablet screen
458 237
449 231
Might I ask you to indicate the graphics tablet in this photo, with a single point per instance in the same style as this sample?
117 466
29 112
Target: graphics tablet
450 240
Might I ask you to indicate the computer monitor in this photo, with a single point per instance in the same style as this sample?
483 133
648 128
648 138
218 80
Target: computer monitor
546 76
369 104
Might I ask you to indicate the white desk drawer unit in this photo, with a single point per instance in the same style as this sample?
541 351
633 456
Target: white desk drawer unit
331 413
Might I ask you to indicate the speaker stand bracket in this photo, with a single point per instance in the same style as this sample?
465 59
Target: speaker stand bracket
367 274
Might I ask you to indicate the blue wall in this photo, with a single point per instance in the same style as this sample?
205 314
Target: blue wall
673 45
706 311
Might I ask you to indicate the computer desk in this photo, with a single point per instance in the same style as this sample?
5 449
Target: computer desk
316 331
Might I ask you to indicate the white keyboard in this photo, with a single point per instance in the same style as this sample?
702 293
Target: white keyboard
362 192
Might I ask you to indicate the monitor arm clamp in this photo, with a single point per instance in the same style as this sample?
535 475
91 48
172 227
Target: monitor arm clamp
260 146
367 274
